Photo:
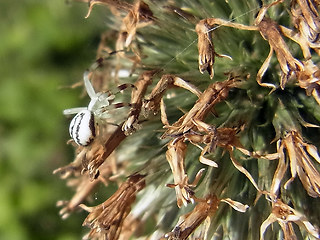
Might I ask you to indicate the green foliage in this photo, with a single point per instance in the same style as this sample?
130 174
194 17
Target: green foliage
44 47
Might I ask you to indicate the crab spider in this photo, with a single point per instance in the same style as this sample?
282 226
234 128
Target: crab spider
82 126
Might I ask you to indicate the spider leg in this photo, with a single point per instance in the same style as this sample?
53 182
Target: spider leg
115 106
105 99
89 88
105 109
124 86
71 111
101 99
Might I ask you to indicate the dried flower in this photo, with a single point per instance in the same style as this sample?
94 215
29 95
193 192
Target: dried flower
306 18
288 64
300 156
202 212
309 79
139 16
213 137
175 156
285 215
233 125
106 220
206 50
215 93
190 221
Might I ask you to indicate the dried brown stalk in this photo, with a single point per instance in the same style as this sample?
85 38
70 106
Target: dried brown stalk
99 153
137 96
215 93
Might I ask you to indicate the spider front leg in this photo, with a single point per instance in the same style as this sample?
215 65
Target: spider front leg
71 111
103 103
89 88
91 93
105 110
101 99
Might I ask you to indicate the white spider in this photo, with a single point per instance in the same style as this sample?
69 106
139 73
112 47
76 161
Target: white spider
82 126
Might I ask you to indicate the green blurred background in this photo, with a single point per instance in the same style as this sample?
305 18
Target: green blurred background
44 47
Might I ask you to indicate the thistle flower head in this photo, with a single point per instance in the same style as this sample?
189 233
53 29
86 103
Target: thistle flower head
227 115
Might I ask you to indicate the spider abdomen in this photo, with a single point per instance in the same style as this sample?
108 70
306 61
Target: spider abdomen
82 128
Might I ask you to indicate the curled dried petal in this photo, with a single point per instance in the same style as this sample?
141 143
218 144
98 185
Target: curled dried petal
236 205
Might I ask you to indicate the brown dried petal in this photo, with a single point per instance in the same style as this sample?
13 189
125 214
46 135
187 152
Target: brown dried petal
280 171
114 5
309 79
235 205
310 14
